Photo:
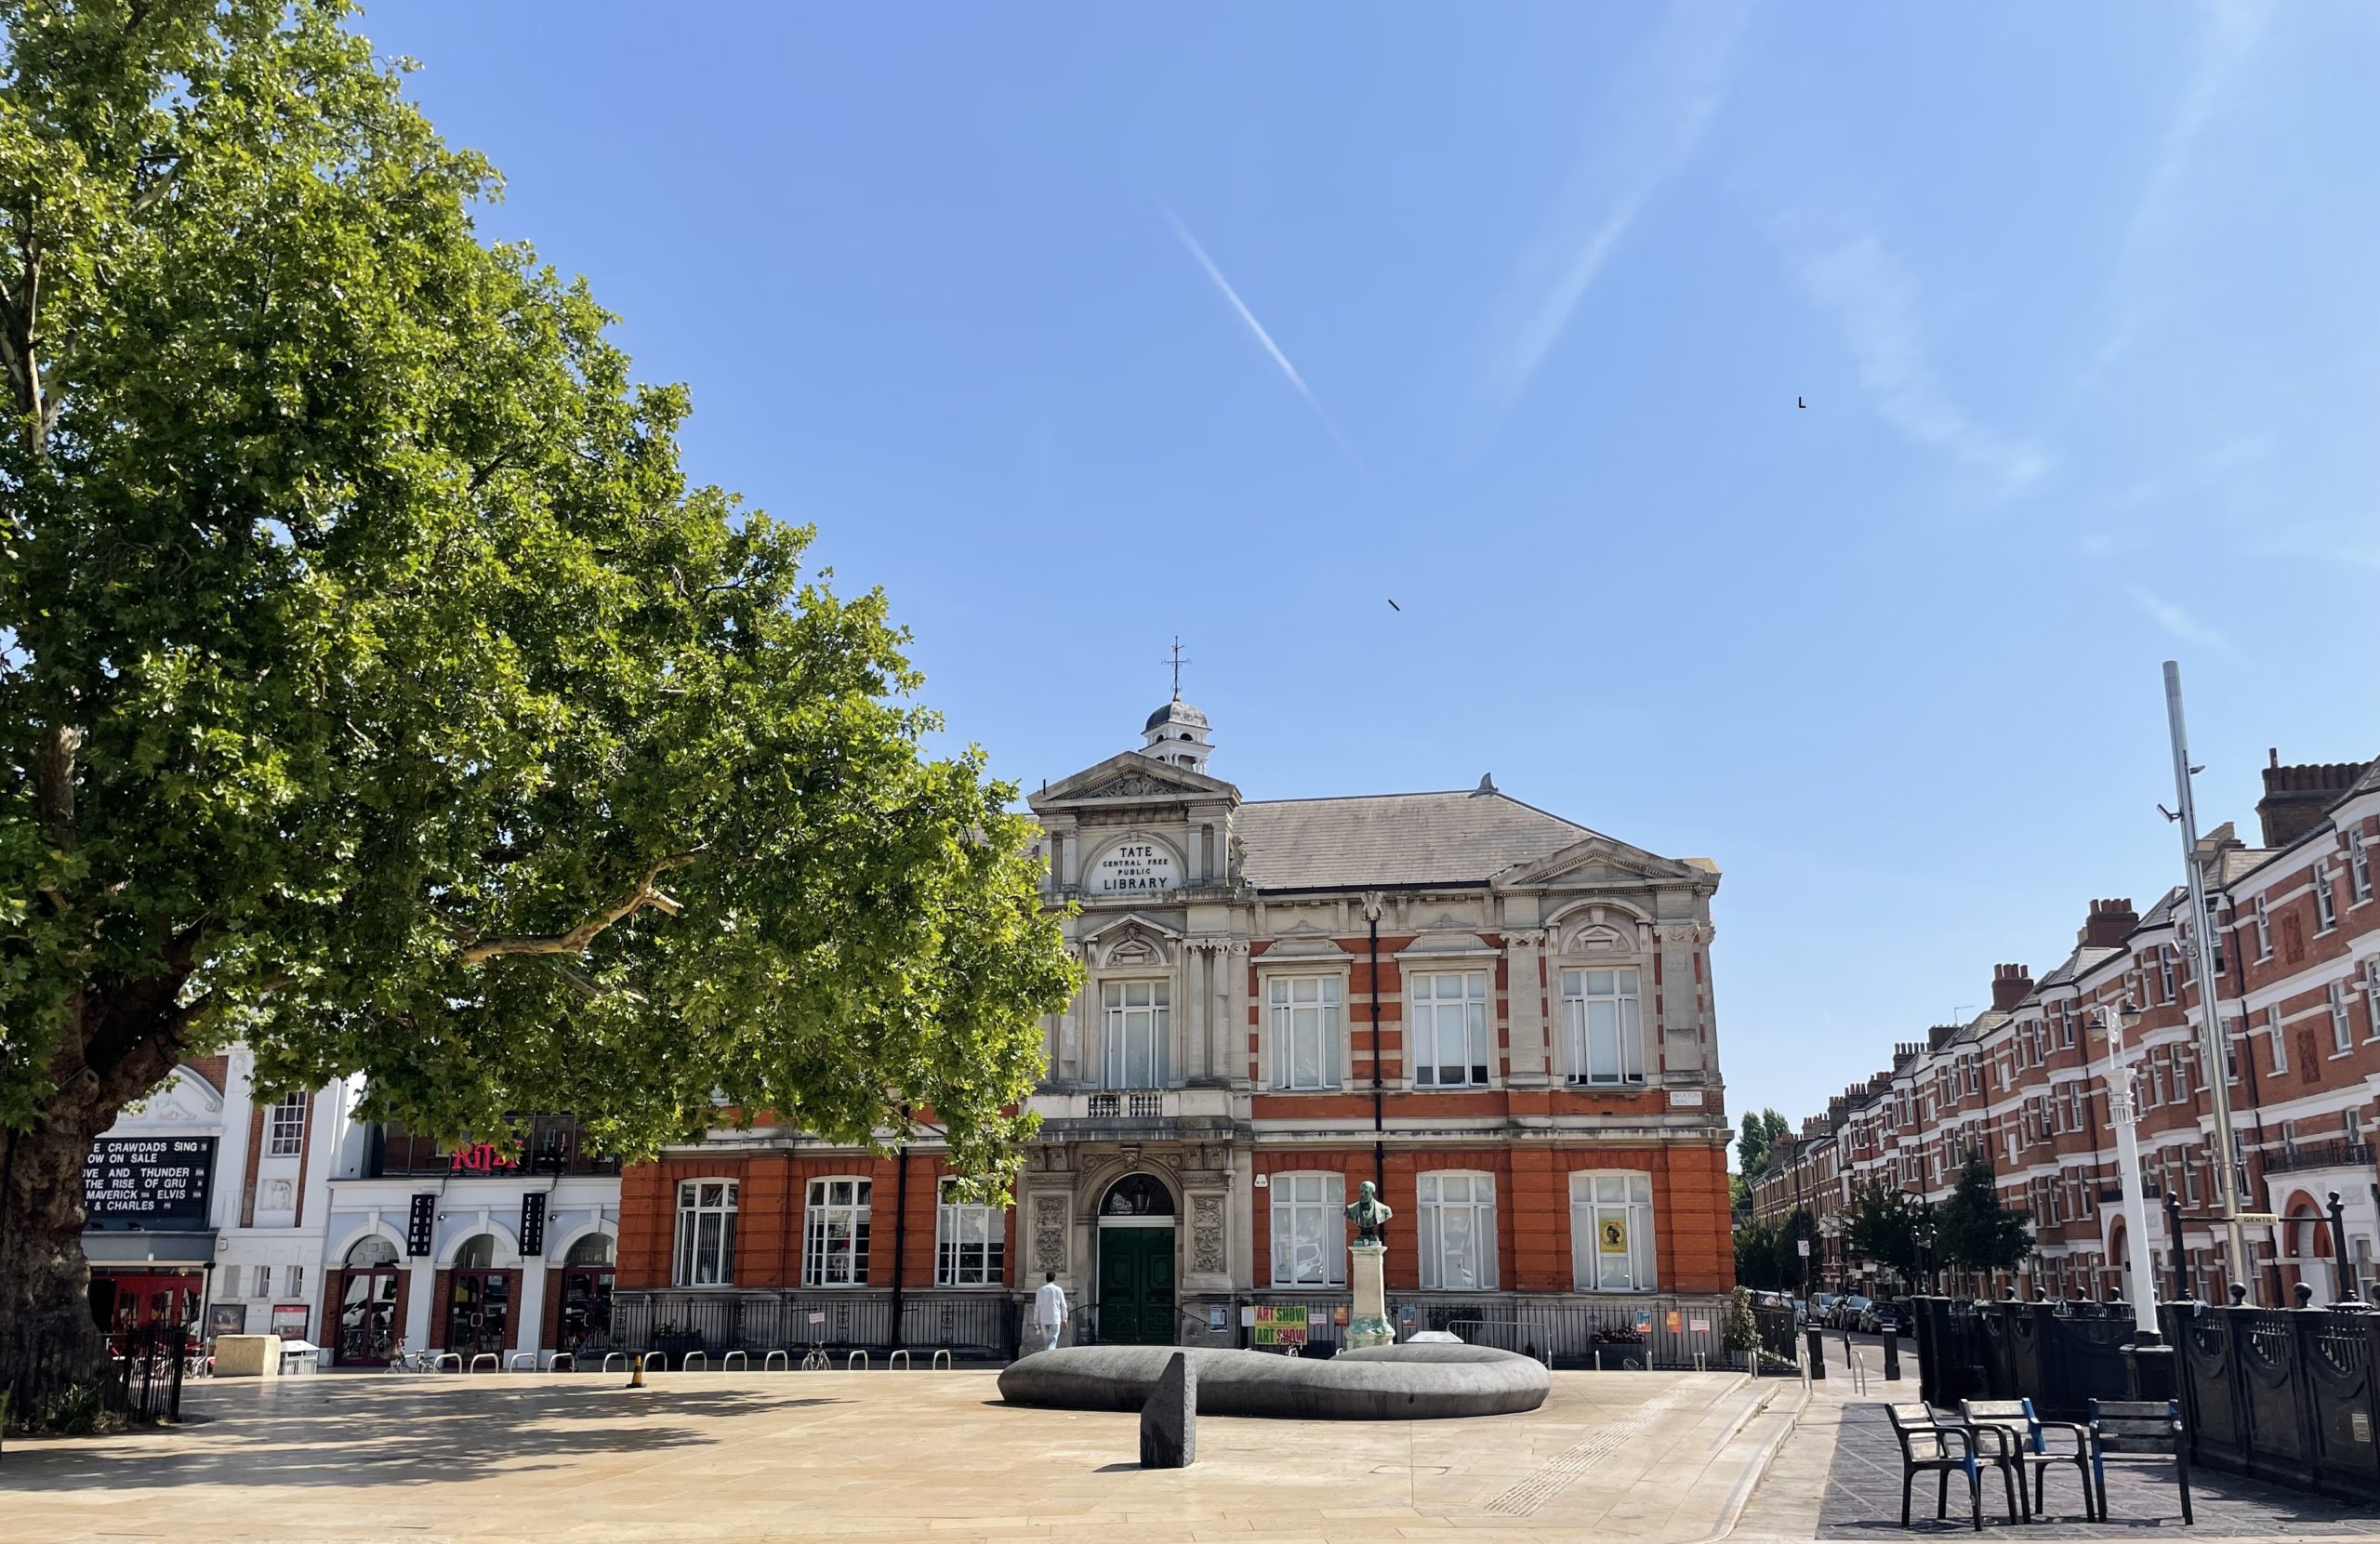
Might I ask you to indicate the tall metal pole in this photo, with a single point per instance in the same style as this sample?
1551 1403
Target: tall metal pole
2210 1018
2121 1113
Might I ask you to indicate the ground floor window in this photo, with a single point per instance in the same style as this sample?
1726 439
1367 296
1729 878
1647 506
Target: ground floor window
706 1234
834 1249
478 1305
970 1242
1309 1229
1455 1226
1611 1231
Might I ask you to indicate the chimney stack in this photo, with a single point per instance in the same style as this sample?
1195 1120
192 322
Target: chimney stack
2110 923
2009 986
2296 798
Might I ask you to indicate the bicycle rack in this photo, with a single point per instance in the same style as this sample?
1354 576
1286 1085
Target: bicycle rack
942 1362
898 1359
513 1362
554 1359
686 1364
495 1363
859 1356
438 1362
611 1356
727 1363
769 1362
654 1361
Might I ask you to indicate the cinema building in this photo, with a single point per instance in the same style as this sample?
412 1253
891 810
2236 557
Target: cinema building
1501 1016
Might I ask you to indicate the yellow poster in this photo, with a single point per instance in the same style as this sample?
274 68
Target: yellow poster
1612 1236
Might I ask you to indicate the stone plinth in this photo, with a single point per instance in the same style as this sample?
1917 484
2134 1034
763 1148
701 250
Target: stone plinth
1169 1419
1368 1325
247 1356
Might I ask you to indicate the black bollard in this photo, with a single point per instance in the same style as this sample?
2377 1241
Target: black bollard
1892 1356
1817 1338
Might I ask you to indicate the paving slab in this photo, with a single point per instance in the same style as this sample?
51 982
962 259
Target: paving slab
1665 1457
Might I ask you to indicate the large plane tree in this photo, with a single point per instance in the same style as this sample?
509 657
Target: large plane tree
375 691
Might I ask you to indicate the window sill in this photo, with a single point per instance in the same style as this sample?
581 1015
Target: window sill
1306 1286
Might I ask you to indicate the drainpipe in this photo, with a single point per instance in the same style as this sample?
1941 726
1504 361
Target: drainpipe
1379 1096
900 1226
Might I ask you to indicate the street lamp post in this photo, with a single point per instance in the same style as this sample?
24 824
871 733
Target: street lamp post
2342 1275
2121 1114
2173 1238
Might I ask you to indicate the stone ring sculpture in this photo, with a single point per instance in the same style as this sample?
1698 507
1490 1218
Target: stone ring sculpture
1405 1382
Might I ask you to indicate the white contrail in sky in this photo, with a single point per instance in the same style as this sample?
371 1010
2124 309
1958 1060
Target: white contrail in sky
1191 243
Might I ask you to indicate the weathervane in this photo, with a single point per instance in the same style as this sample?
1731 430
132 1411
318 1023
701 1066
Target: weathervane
1177 662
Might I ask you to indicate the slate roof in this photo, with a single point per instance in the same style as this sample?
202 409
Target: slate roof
1393 839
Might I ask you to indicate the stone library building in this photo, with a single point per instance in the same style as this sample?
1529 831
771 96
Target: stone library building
1504 1018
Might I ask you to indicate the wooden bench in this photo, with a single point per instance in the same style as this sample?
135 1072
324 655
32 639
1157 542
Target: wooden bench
2029 1434
2125 1427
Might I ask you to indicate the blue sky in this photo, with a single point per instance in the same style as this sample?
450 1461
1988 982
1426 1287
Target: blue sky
1080 327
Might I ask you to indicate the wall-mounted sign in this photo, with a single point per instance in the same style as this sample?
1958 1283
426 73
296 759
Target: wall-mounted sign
421 1226
151 1182
289 1320
533 1224
482 1157
1135 867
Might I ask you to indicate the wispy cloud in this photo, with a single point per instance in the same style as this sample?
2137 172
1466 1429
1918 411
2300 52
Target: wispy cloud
1666 99
1191 244
2228 34
1875 298
2174 620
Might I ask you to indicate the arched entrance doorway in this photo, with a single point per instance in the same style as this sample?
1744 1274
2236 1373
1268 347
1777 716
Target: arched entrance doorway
585 1308
479 1312
1135 1270
370 1298
2305 1249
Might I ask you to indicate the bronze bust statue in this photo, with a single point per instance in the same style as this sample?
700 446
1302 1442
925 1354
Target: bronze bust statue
1367 1212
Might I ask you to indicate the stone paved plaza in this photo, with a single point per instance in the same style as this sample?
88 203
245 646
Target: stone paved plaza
882 1456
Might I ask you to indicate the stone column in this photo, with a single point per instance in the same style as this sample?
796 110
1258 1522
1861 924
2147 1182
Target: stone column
532 1306
1198 964
1231 1040
1368 1325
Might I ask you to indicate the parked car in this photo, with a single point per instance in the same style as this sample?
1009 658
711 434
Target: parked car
1846 1313
1882 1316
1820 1307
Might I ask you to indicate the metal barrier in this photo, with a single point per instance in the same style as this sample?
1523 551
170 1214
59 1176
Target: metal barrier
611 1356
942 1362
653 1361
769 1362
439 1359
495 1363
513 1362
686 1363
858 1356
898 1359
554 1359
727 1363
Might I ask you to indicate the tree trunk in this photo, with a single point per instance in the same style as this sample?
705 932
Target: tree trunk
48 1341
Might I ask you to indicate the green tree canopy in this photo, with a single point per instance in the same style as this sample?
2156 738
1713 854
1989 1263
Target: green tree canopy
1975 1230
1884 1229
1761 1130
374 688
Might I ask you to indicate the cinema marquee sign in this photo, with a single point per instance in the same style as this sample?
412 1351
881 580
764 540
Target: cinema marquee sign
150 1182
1135 867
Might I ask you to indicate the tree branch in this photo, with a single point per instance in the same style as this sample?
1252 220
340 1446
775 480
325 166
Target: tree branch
574 941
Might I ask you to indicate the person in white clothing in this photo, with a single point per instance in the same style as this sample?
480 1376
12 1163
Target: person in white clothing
1049 1309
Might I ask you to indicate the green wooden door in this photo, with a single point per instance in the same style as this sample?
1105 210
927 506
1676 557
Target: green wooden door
1136 1286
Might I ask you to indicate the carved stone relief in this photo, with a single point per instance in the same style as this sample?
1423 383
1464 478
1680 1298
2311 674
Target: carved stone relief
1206 1234
1049 1234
